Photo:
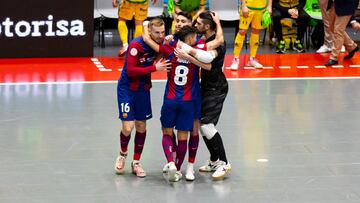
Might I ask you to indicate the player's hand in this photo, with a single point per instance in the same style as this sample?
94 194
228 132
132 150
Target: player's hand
356 26
269 9
162 64
215 17
181 54
179 44
168 39
245 11
114 3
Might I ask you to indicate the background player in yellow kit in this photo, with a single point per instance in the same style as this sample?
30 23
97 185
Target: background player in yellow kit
251 12
127 10
194 7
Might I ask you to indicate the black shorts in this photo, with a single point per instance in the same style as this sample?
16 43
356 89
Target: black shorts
212 104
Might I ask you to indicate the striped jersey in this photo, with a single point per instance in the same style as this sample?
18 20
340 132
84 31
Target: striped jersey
183 78
139 63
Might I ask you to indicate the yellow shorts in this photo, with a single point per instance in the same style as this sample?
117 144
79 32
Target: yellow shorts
254 18
127 10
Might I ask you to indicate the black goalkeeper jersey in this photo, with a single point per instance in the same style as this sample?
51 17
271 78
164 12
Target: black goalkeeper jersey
215 78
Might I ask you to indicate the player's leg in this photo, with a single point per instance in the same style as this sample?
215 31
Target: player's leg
211 109
193 142
143 112
239 40
254 39
192 148
167 118
141 11
127 117
125 13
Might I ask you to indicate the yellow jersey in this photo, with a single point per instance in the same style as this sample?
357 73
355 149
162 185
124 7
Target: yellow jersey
256 4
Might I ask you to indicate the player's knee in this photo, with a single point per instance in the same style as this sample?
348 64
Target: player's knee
255 31
127 128
208 130
140 126
242 32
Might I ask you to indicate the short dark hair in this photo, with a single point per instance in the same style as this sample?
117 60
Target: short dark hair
206 16
186 31
185 14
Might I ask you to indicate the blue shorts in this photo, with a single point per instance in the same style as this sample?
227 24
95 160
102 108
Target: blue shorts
134 105
197 108
178 114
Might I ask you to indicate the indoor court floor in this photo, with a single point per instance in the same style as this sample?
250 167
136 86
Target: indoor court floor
291 131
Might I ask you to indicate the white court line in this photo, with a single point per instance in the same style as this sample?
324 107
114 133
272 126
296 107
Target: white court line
120 69
97 62
100 66
94 59
302 67
354 66
267 67
248 68
338 66
104 70
320 66
284 67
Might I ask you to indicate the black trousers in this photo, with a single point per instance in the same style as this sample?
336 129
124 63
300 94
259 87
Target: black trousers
302 23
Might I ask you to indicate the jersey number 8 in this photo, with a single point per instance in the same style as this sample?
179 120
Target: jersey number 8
180 75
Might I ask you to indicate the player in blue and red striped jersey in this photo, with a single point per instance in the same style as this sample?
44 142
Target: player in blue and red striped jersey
133 92
182 88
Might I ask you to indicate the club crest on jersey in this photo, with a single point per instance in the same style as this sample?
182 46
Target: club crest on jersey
133 52
124 115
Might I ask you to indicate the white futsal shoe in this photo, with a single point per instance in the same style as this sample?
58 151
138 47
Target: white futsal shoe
210 166
190 173
120 163
222 171
235 64
254 63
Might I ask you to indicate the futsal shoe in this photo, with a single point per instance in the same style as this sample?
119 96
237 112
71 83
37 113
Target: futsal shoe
254 63
120 163
171 171
123 50
210 166
137 169
190 173
331 62
351 53
235 64
323 49
222 171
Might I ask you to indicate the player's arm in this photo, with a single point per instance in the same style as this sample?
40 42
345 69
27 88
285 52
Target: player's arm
269 6
219 37
132 61
201 55
183 55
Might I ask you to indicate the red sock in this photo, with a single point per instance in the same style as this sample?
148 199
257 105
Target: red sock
193 146
180 153
139 144
167 146
124 142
